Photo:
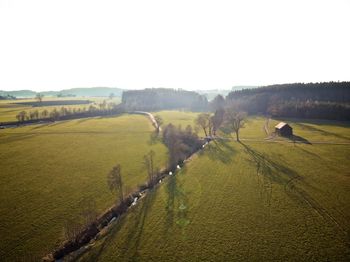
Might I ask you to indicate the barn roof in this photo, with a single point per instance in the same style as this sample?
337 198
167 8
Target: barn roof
281 125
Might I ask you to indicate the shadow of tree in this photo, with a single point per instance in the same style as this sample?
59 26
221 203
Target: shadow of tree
270 171
277 172
133 237
321 131
106 240
221 151
177 205
15 137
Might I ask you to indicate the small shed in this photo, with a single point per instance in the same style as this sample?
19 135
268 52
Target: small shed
283 129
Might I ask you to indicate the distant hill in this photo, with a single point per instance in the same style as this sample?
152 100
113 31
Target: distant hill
93 91
84 91
18 93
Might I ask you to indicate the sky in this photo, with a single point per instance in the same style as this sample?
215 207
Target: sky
54 45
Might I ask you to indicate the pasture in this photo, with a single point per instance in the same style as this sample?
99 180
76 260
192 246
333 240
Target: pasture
254 200
250 201
48 171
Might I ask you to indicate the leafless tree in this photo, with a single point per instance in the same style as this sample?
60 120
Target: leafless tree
39 97
21 116
159 121
235 121
217 119
44 113
203 121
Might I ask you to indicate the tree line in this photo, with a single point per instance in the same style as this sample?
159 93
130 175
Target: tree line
153 99
104 108
329 100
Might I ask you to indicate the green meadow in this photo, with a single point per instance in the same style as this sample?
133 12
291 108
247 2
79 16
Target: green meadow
249 201
48 171
256 200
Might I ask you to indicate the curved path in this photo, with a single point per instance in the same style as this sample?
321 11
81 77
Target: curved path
150 116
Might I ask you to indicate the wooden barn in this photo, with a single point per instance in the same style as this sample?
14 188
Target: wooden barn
283 129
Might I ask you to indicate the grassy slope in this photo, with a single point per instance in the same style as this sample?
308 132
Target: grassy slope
47 170
237 202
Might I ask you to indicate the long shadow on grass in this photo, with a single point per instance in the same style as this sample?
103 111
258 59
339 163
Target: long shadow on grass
321 131
132 238
177 205
270 171
107 240
135 228
15 137
219 150
277 172
280 174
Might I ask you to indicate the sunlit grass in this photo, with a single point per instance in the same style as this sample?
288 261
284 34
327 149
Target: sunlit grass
48 170
251 202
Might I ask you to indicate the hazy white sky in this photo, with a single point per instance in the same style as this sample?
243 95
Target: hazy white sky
52 45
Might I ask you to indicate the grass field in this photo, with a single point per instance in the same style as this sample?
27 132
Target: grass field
47 171
9 110
252 201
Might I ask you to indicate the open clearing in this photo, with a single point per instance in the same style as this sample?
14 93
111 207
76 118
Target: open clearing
249 201
48 171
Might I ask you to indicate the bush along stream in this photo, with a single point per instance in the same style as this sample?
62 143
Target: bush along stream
182 145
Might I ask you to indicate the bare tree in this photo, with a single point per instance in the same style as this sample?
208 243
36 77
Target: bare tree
115 182
159 121
44 113
39 97
217 119
21 116
235 121
203 121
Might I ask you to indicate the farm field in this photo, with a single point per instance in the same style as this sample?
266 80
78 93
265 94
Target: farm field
48 171
250 201
9 110
177 118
